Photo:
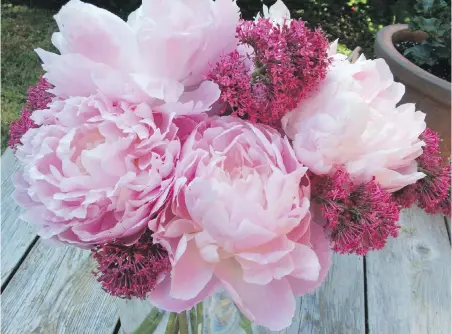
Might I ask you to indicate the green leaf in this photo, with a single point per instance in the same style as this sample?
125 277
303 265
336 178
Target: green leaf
427 25
427 5
442 52
432 43
421 54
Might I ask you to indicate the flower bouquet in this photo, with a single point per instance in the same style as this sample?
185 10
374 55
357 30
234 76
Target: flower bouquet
211 163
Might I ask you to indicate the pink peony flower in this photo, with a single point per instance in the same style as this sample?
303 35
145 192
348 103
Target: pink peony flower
97 170
352 122
239 218
162 48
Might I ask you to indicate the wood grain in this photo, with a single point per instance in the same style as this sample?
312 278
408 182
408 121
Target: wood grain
16 236
337 306
54 292
408 282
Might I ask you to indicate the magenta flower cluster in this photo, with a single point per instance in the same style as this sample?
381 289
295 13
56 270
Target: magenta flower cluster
431 193
288 61
359 217
38 98
130 271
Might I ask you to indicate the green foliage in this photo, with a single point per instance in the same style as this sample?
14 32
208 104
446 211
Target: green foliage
23 29
432 17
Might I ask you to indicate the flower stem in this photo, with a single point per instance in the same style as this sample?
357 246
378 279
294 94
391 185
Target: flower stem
173 324
183 323
426 172
200 315
245 323
193 321
151 322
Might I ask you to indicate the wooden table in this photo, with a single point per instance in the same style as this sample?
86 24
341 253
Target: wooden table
405 288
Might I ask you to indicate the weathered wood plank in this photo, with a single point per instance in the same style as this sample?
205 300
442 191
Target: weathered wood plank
408 283
54 292
337 306
17 236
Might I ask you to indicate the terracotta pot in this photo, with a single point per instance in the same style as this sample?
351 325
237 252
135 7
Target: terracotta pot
431 94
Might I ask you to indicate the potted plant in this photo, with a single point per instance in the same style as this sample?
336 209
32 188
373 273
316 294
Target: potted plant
418 54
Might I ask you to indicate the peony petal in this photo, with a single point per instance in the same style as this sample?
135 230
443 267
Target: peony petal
160 296
96 34
322 249
279 13
275 313
190 273
70 74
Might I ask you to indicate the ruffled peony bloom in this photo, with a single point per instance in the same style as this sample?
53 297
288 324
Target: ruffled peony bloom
239 218
162 48
97 170
353 122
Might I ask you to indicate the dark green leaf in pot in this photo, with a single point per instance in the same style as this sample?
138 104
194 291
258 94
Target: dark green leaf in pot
428 25
421 54
427 5
442 52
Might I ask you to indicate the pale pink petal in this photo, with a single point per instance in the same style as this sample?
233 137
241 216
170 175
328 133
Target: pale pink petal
96 34
160 296
271 305
70 74
190 274
321 247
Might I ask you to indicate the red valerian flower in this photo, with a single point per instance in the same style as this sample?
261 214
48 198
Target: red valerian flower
289 61
38 95
18 127
360 217
432 193
131 271
38 98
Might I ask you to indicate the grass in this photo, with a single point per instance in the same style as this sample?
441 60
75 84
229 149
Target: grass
23 30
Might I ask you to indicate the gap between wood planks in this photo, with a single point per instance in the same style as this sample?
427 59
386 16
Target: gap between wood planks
22 259
447 222
366 309
117 327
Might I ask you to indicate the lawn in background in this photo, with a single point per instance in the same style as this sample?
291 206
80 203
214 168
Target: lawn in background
23 29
